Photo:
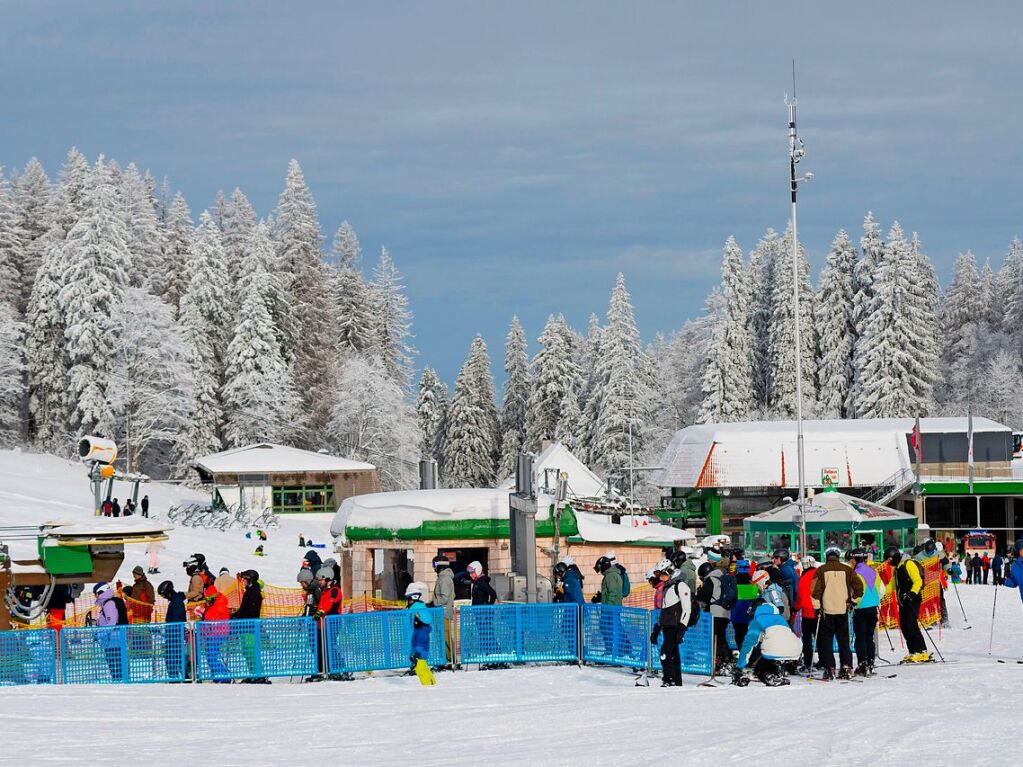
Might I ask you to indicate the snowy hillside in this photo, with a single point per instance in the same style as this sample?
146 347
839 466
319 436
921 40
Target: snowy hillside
36 488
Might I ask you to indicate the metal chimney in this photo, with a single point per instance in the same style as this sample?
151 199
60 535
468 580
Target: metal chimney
428 474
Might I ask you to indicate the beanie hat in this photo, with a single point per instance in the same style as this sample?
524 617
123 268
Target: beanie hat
137 570
610 555
714 556
224 570
568 560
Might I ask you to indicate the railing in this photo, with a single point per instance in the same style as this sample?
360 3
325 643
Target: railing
378 640
890 487
520 633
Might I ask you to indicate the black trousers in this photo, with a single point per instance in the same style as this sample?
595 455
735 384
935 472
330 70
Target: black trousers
740 629
864 627
986 570
671 660
809 635
834 628
721 650
909 625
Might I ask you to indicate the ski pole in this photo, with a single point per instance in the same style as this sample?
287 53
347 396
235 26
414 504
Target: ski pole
959 599
991 639
927 633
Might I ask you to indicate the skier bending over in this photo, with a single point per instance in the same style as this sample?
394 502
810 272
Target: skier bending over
768 642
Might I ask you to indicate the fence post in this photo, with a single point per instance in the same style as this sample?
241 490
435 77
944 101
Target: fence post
518 631
193 648
579 655
257 648
58 657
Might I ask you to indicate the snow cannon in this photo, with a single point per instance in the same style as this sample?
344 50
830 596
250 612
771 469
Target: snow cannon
97 450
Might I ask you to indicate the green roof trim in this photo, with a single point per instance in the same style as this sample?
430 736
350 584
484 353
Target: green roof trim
461 529
980 487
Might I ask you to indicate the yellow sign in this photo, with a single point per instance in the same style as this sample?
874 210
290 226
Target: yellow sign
829 476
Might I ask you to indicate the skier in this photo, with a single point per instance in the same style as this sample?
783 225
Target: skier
145 506
997 569
672 621
685 565
116 507
142 596
804 605
865 614
835 589
421 627
444 597
718 593
771 592
112 613
214 609
1014 579
199 577
173 644
153 549
483 593
787 567
610 593
907 584
769 632
571 580
747 594
251 608
985 564
976 563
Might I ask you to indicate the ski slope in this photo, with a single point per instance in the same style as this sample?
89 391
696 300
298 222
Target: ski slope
36 488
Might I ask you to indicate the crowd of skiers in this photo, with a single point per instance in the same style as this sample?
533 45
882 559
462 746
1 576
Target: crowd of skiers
111 507
976 569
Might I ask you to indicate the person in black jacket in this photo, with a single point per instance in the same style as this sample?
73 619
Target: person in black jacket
482 592
173 642
483 595
250 608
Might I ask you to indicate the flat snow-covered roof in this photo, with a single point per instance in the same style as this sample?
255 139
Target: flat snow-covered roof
866 452
267 458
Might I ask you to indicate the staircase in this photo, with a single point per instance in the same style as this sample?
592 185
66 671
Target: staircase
893 487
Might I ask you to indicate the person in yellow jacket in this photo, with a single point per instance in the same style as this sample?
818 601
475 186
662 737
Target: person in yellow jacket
907 584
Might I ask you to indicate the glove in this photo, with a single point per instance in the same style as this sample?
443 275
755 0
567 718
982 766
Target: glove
318 614
416 622
595 599
210 600
655 634
740 677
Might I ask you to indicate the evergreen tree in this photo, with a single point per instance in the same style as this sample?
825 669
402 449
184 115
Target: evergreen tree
1011 279
256 274
516 398
923 314
12 374
260 400
96 262
991 298
357 327
306 281
393 320
836 328
34 199
237 226
12 246
864 275
728 385
782 336
571 430
762 265
68 205
173 280
143 229
962 325
471 447
430 415
205 318
621 392
1001 398
552 375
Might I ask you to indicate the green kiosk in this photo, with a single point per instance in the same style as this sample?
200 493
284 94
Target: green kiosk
832 519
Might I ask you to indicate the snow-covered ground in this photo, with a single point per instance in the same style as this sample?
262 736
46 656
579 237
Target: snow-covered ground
37 488
556 715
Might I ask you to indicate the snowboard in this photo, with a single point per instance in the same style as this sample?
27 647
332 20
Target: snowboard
424 673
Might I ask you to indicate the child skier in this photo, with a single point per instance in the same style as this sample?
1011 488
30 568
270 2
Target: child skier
421 626
769 634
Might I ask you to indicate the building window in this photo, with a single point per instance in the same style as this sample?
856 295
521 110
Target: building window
307 498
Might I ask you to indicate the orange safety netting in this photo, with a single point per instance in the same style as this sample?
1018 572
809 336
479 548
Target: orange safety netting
930 605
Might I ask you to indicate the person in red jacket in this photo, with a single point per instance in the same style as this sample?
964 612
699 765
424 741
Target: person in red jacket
215 608
804 604
330 603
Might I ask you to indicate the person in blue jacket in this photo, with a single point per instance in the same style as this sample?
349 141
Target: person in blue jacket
769 642
1015 578
571 581
421 623
174 644
789 577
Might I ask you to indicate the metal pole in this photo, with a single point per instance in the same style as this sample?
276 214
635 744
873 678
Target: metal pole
991 639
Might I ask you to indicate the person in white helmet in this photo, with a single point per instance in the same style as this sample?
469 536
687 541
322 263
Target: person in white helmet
672 621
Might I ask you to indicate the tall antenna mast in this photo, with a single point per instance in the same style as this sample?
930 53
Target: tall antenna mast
796 152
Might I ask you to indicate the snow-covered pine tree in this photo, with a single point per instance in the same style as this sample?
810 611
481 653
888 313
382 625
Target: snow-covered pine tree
923 313
516 398
429 414
96 264
621 393
149 393
239 221
589 353
300 258
962 323
34 197
864 274
259 396
12 246
374 422
256 273
471 446
761 270
173 280
782 332
728 386
1000 397
991 298
68 204
145 242
205 319
571 430
895 382
357 327
836 328
393 320
12 375
1011 279
553 372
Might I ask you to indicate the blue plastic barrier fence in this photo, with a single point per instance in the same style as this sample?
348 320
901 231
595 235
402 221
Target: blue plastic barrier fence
697 650
252 649
618 636
28 657
519 633
135 654
379 640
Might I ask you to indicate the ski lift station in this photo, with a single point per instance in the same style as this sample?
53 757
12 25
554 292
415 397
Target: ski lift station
386 540
284 479
717 475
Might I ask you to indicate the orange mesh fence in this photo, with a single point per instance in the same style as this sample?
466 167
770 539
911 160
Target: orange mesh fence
930 605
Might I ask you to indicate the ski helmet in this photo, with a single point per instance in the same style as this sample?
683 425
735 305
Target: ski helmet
475 568
250 575
602 564
832 552
440 562
305 575
678 558
714 555
100 587
664 566
860 555
783 554
894 554
560 569
165 589
929 546
325 573
414 591
705 570
809 563
760 579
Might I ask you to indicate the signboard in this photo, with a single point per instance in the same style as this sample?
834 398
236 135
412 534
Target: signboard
829 476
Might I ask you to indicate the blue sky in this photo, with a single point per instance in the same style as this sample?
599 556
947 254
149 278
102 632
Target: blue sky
513 157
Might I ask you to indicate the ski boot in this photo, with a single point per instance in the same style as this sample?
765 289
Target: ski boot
864 670
775 680
740 677
829 674
845 673
920 657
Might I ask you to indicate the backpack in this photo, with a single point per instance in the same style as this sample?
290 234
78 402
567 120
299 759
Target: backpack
729 592
626 586
694 610
122 611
